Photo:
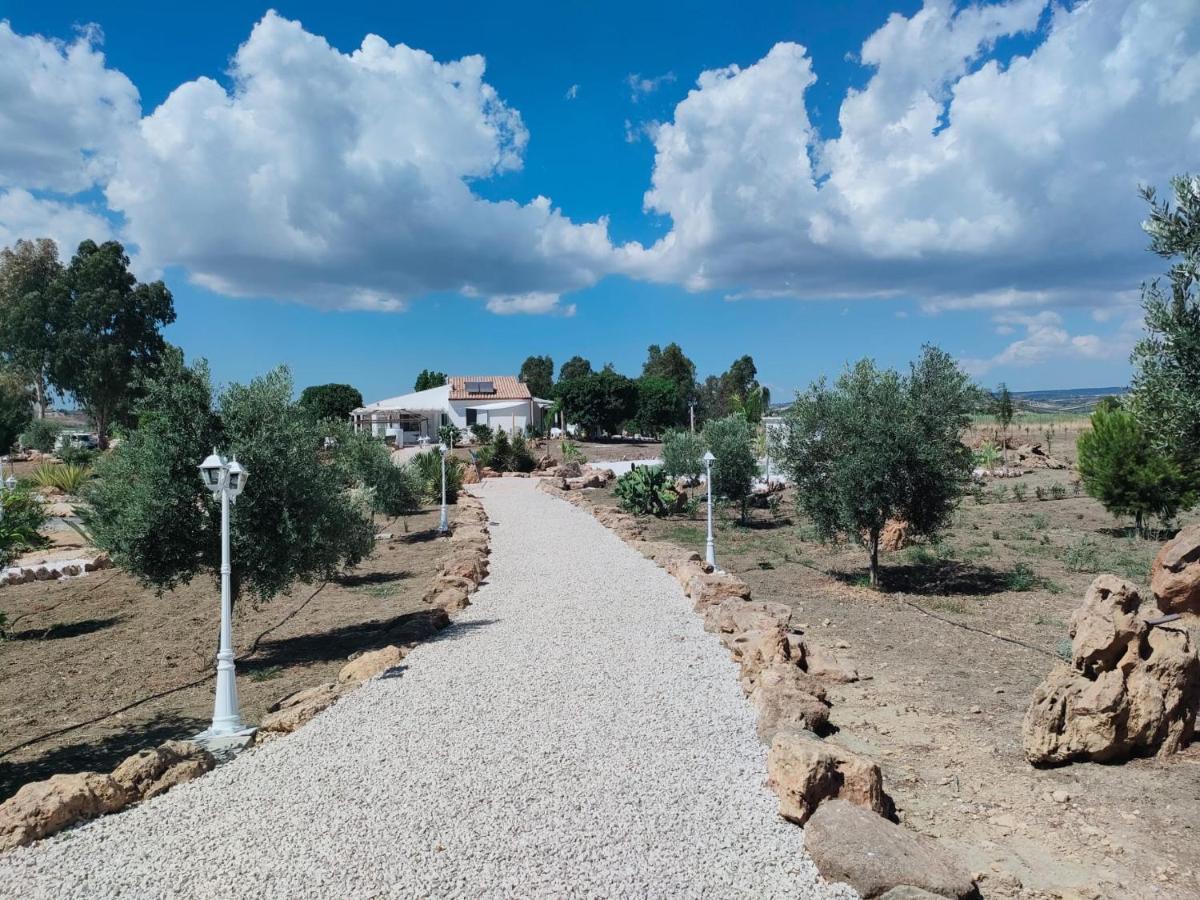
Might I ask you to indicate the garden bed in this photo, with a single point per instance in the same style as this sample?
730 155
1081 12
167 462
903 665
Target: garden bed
950 652
80 650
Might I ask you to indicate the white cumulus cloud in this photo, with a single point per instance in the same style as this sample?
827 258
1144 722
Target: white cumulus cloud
1047 338
957 178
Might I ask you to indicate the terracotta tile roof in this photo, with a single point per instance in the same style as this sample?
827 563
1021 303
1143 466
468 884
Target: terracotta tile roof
507 388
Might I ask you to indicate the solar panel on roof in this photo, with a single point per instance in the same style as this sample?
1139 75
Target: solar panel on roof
481 387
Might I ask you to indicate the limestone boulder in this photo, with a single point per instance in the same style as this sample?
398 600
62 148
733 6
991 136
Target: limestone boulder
1175 573
757 651
44 808
1131 695
152 772
805 771
894 536
567 470
785 698
737 615
822 664
372 663
451 599
470 475
1108 627
292 711
472 566
851 844
713 588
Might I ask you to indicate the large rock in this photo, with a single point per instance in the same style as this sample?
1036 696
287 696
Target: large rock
805 771
1175 573
451 599
894 536
738 615
788 699
1132 689
468 565
713 588
372 663
152 772
851 844
756 651
44 808
1107 627
294 710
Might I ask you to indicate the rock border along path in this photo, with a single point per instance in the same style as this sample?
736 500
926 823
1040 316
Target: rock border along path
574 733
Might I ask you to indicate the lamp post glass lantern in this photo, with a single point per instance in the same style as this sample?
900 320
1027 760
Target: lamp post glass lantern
225 479
710 555
443 522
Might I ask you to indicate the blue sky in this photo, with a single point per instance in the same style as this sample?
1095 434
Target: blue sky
835 249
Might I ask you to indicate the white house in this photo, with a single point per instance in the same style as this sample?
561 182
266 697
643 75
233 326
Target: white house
498 401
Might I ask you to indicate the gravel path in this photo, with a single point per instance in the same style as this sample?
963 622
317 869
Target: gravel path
575 733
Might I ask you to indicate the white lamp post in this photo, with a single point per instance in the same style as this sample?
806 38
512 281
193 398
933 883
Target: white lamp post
225 478
444 522
710 555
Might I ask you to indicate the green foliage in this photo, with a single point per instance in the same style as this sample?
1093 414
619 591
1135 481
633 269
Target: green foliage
599 402
571 452
1002 407
110 337
15 410
330 401
66 477
31 311
448 435
429 379
537 372
295 521
646 490
482 433
505 455
988 456
1083 556
737 390
1165 395
1121 468
42 435
366 465
428 468
671 363
878 446
683 454
575 367
658 405
1021 578
77 456
24 515
1019 492
731 440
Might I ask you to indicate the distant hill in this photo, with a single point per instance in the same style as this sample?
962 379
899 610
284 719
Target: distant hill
1071 400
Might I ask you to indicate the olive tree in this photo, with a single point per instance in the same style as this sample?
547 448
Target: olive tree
879 445
295 521
731 441
1165 394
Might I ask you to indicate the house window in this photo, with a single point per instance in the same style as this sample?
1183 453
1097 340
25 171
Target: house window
472 417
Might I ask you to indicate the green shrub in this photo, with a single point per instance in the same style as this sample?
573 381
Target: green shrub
42 434
1040 522
571 453
448 435
1018 492
1001 493
24 515
987 456
646 490
1021 578
520 459
731 441
683 454
62 476
77 456
1057 491
482 433
427 465
366 464
1083 556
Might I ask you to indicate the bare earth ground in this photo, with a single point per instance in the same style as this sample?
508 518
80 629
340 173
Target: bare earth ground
940 706
83 648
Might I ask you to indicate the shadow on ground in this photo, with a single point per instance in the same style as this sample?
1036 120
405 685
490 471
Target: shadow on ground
64 630
98 754
940 578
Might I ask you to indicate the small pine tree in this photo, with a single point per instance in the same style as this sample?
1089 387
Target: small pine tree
1122 470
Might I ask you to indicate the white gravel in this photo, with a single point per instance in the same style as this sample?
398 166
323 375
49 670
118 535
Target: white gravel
575 733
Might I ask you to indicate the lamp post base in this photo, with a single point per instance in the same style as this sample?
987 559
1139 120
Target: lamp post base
226 744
